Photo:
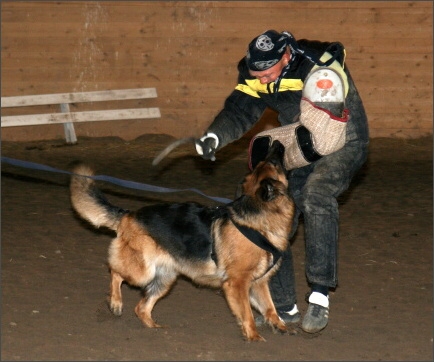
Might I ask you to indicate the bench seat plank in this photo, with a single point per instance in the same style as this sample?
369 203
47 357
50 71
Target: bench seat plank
87 116
96 96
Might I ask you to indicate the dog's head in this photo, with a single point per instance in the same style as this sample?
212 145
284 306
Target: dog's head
268 179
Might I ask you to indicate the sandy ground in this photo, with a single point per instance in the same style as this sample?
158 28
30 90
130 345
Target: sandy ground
55 279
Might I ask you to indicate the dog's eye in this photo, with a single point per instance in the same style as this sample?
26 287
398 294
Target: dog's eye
266 190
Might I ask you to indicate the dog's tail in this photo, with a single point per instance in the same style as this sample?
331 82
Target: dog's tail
89 202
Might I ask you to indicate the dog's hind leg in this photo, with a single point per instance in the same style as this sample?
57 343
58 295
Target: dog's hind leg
237 296
155 290
115 293
260 298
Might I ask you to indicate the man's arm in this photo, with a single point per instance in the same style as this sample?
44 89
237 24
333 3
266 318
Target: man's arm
240 113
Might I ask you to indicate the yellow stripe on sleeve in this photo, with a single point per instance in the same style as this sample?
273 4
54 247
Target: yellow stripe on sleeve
254 86
246 89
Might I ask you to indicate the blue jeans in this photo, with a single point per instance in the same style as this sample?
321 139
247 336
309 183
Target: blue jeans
315 189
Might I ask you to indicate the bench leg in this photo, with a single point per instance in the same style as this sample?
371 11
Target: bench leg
68 127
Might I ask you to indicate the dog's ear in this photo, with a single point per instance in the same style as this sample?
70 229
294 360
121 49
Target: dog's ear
267 191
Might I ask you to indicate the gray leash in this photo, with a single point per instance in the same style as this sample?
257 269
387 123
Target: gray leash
113 180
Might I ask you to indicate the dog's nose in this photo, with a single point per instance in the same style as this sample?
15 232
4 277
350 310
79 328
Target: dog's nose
275 155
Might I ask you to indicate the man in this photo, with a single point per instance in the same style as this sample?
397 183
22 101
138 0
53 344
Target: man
303 81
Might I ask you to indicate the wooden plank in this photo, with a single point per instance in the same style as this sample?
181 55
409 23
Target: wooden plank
414 87
368 23
215 56
371 73
193 57
365 61
224 29
69 126
398 133
90 116
123 13
18 11
95 96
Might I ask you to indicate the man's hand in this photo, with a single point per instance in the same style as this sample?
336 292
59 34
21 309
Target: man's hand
206 146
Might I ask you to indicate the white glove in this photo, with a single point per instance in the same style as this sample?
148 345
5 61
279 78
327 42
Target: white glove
206 146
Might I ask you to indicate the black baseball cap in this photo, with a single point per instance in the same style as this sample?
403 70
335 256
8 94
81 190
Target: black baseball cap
266 50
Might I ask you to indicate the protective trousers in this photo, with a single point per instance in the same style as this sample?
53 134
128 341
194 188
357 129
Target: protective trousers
315 189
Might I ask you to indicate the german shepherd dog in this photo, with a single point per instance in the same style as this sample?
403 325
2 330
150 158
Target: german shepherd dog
209 245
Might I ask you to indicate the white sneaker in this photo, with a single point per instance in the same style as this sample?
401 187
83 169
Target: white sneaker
292 316
317 315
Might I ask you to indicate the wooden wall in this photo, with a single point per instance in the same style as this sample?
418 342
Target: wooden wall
188 51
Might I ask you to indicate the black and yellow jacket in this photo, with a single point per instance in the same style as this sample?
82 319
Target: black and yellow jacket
248 101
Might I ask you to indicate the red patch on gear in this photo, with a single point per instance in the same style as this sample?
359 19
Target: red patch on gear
324 84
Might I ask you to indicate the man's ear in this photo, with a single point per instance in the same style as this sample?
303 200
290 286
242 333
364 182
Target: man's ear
287 57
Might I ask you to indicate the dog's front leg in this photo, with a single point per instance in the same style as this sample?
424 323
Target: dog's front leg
260 298
115 293
237 296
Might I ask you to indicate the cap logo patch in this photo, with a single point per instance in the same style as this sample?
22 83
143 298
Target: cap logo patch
264 43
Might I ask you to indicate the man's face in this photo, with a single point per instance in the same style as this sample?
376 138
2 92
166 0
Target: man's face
271 74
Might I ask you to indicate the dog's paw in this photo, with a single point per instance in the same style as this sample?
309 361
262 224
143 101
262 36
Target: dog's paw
290 330
149 323
116 308
253 335
256 338
279 329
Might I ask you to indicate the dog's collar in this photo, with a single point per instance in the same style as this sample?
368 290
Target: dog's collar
260 240
253 235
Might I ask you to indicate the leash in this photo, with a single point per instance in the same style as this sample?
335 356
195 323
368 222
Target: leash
170 148
113 180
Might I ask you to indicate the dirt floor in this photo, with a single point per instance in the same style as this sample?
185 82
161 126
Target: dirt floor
55 279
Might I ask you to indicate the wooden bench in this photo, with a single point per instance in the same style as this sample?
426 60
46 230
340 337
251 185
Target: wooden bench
68 118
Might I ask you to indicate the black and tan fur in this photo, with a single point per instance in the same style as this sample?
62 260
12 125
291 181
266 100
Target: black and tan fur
157 243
